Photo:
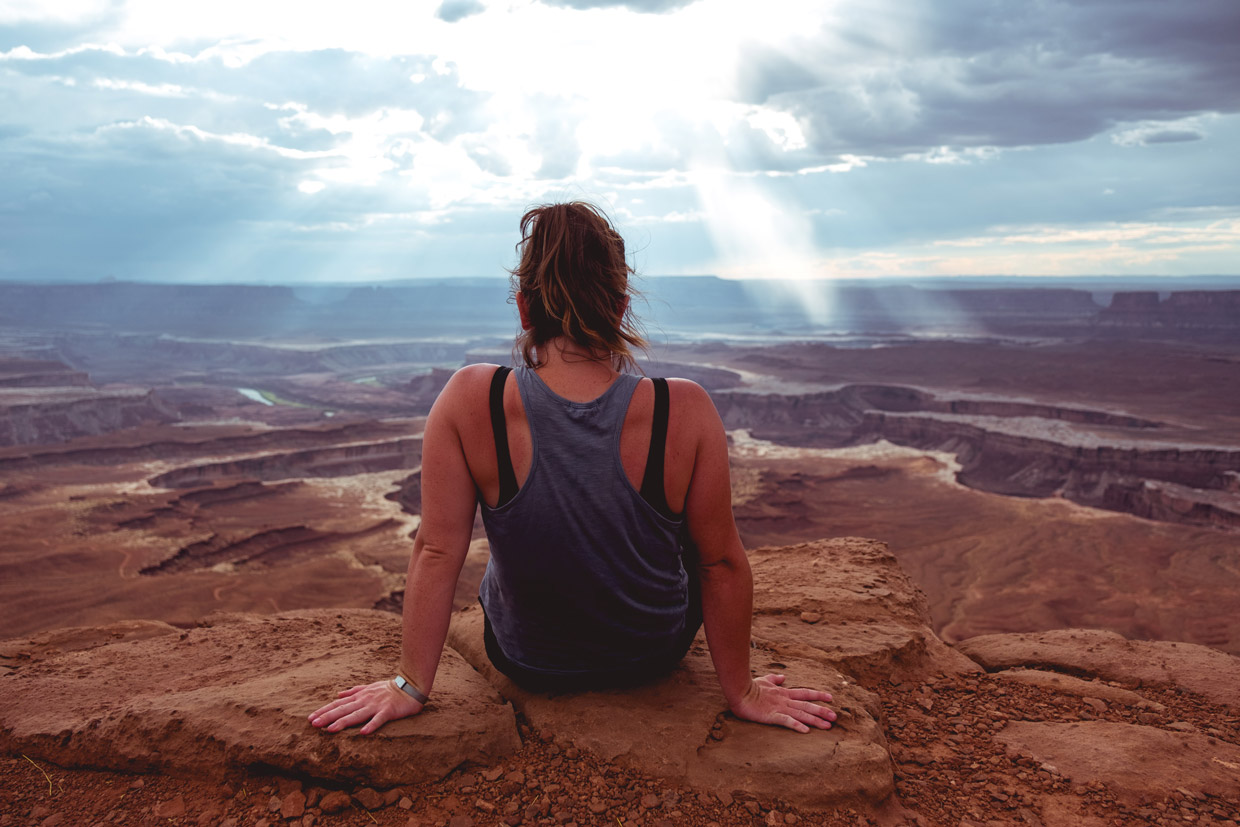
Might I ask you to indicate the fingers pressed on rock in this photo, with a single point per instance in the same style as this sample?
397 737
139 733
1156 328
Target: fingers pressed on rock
349 720
344 707
810 695
811 709
374 723
327 718
351 714
792 723
328 709
815 721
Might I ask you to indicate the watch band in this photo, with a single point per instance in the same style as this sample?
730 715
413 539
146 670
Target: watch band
409 689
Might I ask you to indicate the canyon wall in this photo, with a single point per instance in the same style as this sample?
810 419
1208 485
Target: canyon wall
58 417
1014 448
1192 314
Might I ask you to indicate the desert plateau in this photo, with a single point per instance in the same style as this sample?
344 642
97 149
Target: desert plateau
1001 525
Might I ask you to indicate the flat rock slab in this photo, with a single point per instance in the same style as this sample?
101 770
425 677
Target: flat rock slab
1138 763
1068 685
13 653
847 602
236 692
1210 673
678 728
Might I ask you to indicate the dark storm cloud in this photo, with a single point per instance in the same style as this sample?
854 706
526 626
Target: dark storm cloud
991 73
764 71
643 6
450 11
1172 136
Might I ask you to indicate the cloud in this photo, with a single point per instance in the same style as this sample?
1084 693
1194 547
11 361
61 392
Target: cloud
764 71
1130 248
975 73
1190 129
1173 136
53 26
451 11
642 6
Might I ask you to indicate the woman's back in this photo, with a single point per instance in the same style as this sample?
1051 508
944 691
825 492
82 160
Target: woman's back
579 384
586 571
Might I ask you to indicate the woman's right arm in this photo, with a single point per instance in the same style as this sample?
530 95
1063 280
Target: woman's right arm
448 505
727 583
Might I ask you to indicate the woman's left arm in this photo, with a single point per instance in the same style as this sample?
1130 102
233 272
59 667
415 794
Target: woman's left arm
448 507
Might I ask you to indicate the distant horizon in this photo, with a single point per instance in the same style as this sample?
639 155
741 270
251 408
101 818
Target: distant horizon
1097 281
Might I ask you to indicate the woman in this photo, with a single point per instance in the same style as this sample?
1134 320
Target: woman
606 499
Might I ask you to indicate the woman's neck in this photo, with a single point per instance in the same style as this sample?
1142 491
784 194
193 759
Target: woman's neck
574 372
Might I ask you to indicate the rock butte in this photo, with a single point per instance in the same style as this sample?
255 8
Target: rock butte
233 694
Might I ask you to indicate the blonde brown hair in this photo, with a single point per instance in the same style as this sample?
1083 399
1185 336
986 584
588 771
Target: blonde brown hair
575 280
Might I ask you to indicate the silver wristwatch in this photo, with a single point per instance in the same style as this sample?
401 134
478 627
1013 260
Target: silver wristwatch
409 689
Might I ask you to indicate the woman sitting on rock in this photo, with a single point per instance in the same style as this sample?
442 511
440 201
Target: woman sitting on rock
606 501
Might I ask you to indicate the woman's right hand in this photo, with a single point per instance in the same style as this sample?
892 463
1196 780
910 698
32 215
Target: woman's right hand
768 701
371 705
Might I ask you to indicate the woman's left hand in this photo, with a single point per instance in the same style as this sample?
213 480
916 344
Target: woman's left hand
375 703
768 701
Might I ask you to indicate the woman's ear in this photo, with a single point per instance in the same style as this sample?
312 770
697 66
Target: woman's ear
523 309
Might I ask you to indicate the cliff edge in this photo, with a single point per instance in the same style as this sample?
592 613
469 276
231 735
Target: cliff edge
1099 729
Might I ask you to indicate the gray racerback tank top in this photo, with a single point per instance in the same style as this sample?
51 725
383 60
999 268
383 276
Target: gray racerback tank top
585 575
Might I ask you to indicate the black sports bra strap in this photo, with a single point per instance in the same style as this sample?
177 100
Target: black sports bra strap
499 428
652 481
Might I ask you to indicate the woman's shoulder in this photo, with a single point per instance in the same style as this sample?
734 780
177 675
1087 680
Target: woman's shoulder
691 406
479 373
689 394
466 384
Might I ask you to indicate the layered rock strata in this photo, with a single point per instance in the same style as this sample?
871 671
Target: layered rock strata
1098 458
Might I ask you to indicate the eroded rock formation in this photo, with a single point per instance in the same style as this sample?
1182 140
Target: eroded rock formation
923 733
255 676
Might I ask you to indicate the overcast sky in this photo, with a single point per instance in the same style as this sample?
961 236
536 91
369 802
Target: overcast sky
270 142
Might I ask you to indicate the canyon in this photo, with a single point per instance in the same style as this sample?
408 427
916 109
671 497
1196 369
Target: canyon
1062 464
